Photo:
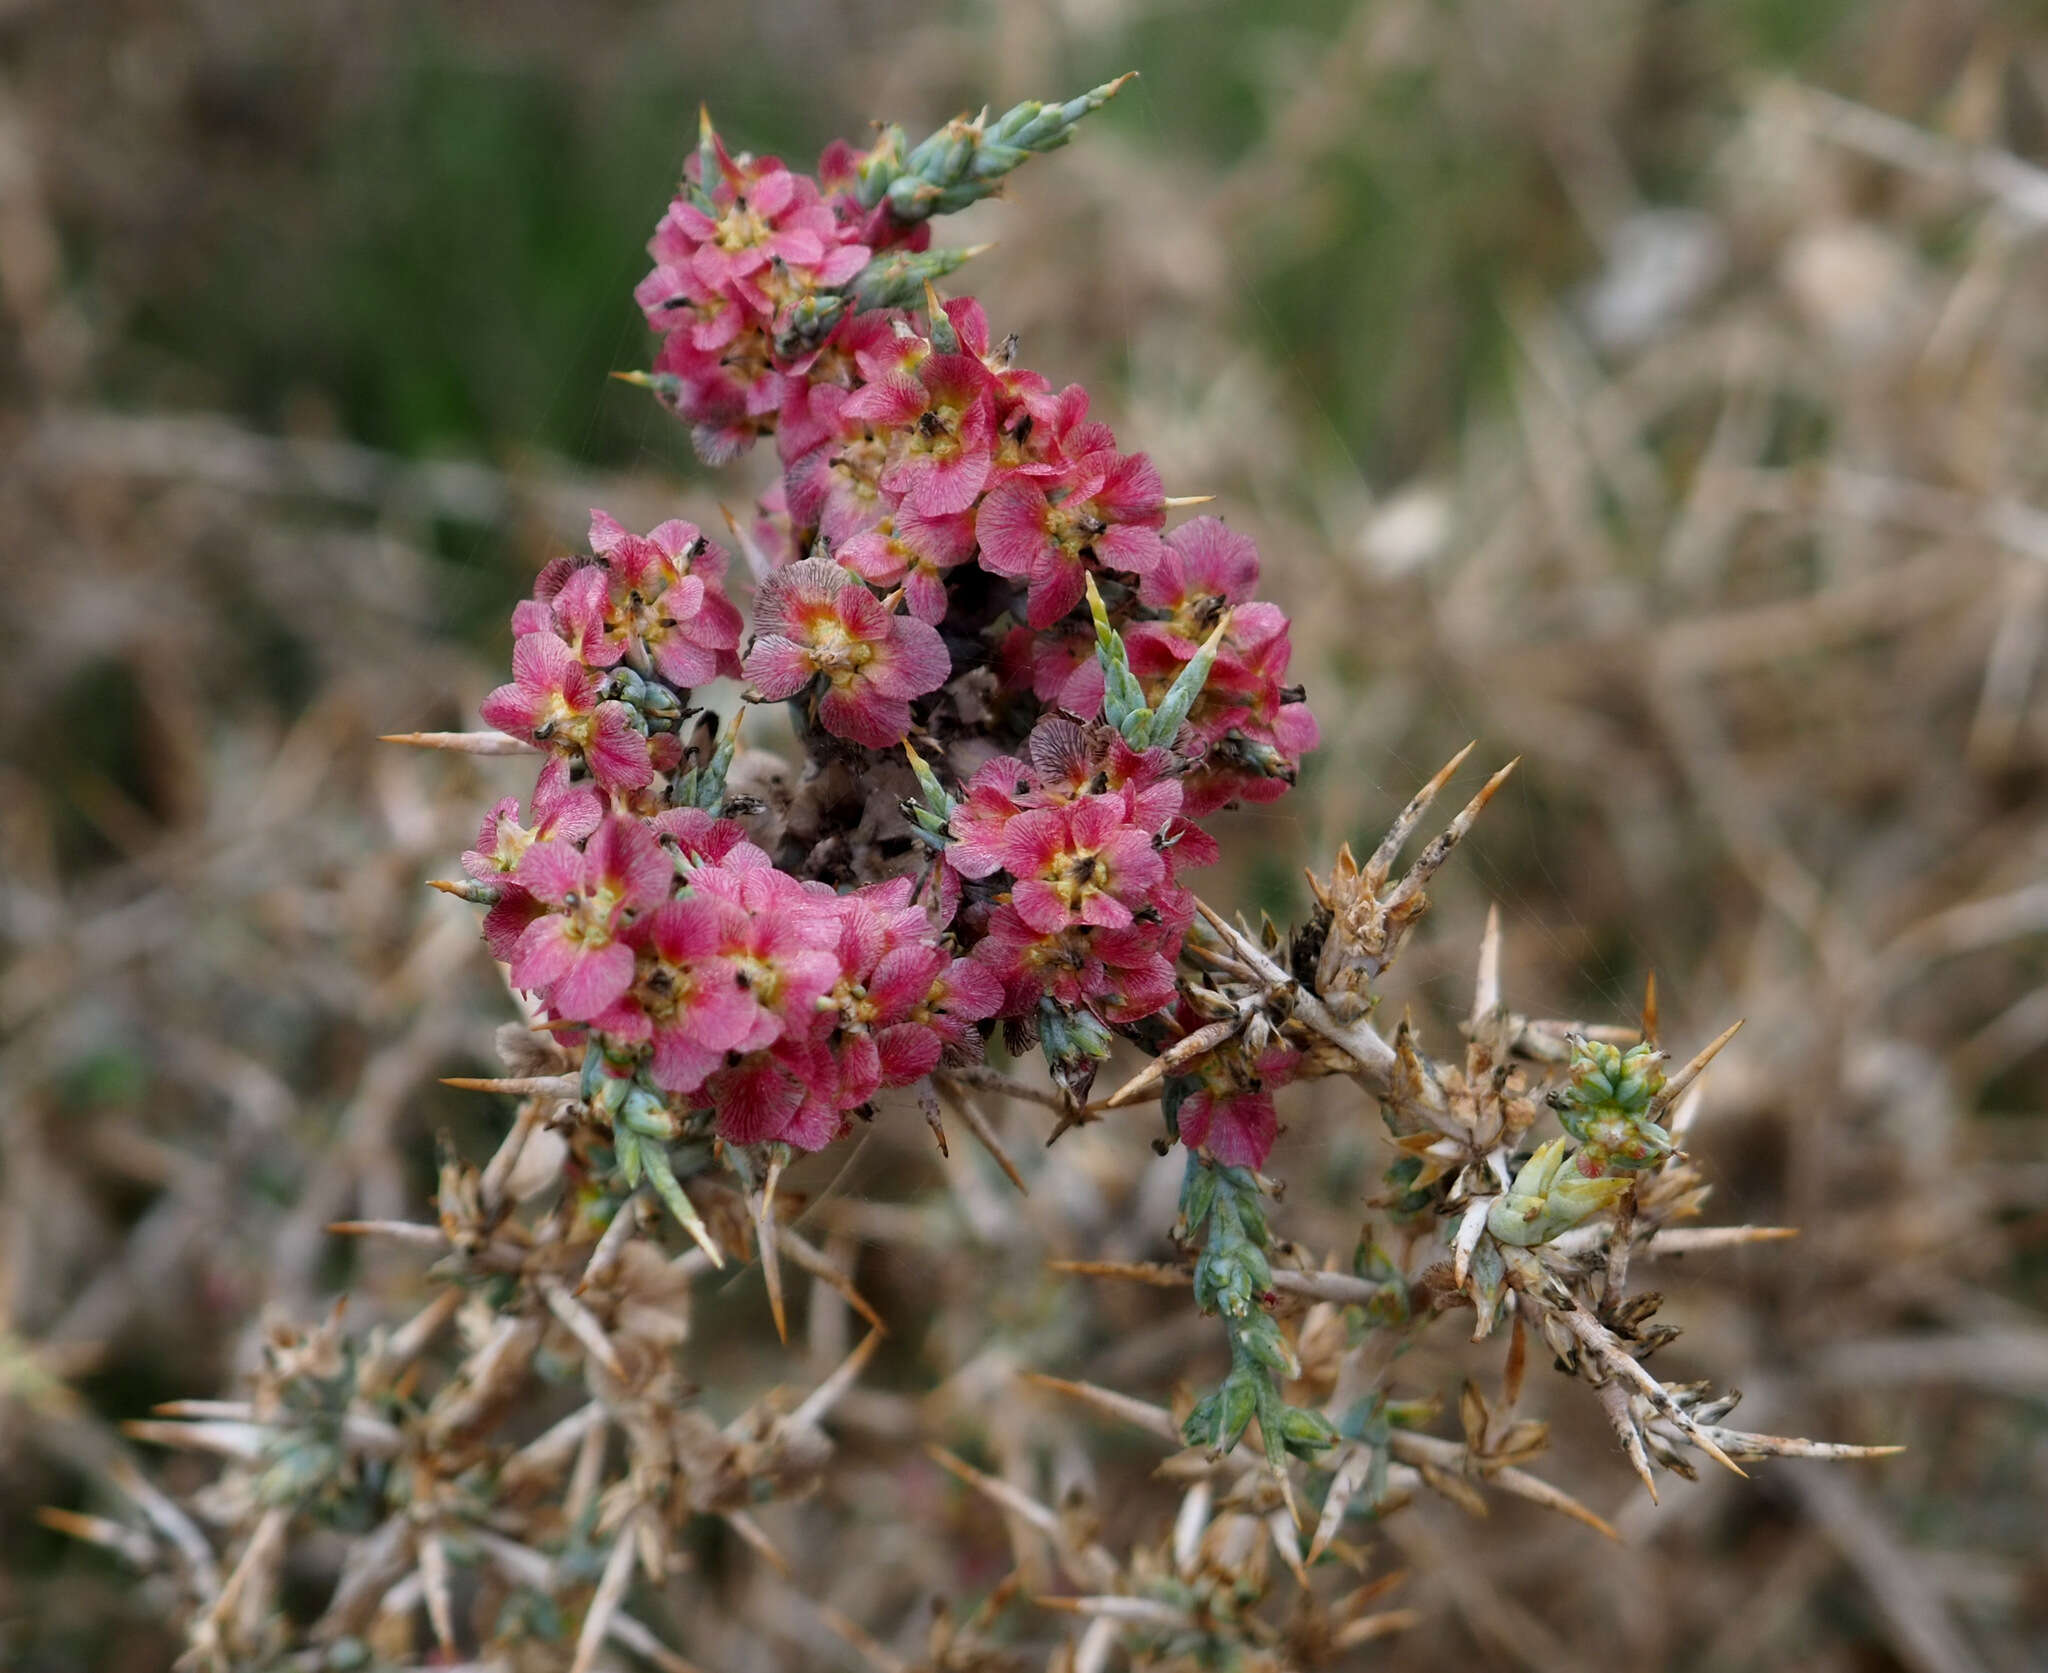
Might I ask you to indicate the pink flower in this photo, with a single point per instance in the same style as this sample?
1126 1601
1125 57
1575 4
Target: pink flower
788 1095
553 701
916 551
997 793
1059 668
927 1004
1122 975
659 594
1070 760
561 812
692 999
1232 1112
1238 1127
1204 559
727 396
1079 864
943 416
781 943
1103 514
576 957
815 619
768 235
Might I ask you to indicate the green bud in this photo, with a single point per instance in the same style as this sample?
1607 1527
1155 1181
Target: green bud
1240 1405
879 168
1550 1196
1264 1341
646 1114
962 162
1197 1192
1535 1175
1305 1433
897 280
626 1150
936 797
661 1174
1165 723
708 171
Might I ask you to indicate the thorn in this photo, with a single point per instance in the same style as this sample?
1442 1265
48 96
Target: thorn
1650 1009
1156 1419
1695 1240
1156 1273
1181 1052
1173 502
1674 1088
399 1231
978 1124
1614 1398
814 1261
757 560
1439 849
131 1544
610 1593
433 1572
1486 990
756 1536
567 1086
1382 862
583 1325
826 1395
765 1238
463 743
1010 1498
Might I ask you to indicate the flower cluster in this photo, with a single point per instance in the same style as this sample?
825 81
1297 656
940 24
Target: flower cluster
957 559
1076 848
605 653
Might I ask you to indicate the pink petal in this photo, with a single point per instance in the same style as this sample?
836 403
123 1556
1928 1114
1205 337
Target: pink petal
551 871
904 977
596 979
617 753
907 1052
778 667
1241 1130
754 1101
891 401
861 713
513 709
680 1063
790 595
1032 841
1036 903
946 486
1010 525
1058 583
925 593
913 661
507 921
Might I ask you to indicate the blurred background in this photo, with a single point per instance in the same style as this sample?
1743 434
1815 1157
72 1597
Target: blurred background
1654 391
